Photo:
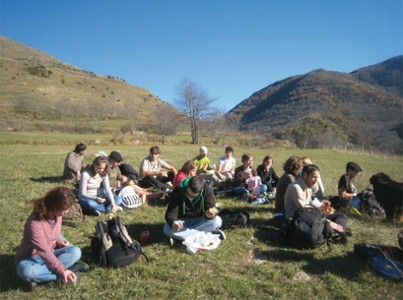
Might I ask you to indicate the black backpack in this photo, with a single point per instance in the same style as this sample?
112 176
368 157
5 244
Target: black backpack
112 245
234 218
308 228
369 205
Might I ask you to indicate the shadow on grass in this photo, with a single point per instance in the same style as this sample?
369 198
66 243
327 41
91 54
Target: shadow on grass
156 233
50 179
347 266
8 277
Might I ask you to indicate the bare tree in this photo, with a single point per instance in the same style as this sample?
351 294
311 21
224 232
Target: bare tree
166 120
217 124
195 102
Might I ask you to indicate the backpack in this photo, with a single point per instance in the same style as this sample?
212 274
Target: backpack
112 246
234 218
308 228
74 217
369 205
130 199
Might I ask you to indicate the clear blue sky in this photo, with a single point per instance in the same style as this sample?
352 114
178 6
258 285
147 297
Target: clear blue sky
231 48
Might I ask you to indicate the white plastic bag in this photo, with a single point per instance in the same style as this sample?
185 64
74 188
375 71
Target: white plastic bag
201 241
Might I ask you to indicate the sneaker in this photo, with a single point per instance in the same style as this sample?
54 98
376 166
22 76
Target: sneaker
168 191
80 266
29 286
96 213
174 242
221 234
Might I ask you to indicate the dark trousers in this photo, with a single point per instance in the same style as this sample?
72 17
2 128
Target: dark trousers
156 182
338 218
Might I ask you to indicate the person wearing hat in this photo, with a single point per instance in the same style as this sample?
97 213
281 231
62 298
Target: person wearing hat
347 188
205 168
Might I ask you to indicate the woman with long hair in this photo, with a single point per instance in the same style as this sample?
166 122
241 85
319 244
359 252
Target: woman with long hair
44 255
95 192
188 169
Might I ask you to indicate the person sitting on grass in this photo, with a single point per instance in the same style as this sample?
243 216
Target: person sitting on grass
95 193
292 168
226 165
348 192
188 169
299 194
205 168
151 173
44 255
191 209
74 163
246 178
267 174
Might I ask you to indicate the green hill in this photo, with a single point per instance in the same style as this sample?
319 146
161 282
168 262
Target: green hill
39 92
324 109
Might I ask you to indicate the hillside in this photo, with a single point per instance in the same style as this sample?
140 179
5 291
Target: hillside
326 109
40 92
386 75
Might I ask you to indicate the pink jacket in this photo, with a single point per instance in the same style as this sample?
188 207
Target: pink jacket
42 238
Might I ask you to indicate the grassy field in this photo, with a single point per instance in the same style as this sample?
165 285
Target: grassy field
230 272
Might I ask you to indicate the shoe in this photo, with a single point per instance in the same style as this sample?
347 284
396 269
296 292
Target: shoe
80 266
96 213
221 234
119 208
168 191
29 286
172 242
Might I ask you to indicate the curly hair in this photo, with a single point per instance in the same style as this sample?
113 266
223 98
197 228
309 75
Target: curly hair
292 164
58 198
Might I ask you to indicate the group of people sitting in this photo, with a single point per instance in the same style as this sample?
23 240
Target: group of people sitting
44 255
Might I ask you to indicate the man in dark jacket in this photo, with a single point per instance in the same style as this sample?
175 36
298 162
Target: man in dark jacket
191 209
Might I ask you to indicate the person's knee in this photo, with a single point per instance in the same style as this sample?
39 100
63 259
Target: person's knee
217 222
28 272
76 253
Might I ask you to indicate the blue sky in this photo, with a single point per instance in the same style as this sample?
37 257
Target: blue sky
232 48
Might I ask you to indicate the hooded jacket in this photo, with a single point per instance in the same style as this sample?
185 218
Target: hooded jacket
180 206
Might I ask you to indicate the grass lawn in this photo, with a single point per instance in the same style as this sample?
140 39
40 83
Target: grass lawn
229 272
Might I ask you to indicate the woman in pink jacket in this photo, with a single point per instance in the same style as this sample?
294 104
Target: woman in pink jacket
43 254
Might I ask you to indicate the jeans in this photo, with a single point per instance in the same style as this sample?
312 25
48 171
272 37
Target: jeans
192 226
91 204
34 269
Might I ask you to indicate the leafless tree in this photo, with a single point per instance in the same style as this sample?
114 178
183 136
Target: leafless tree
217 124
166 120
195 102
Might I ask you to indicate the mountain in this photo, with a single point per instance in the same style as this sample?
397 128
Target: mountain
386 75
39 92
329 109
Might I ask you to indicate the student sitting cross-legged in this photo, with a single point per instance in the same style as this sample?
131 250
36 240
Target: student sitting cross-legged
44 255
191 209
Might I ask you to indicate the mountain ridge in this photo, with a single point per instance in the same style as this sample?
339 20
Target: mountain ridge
328 108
